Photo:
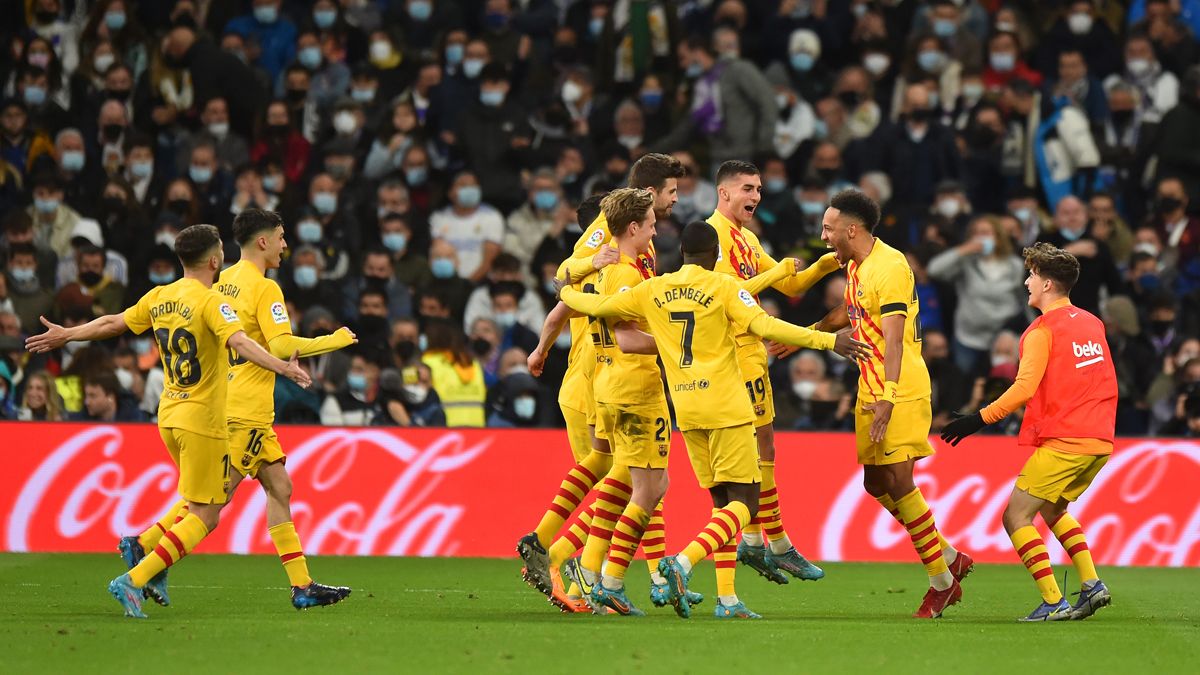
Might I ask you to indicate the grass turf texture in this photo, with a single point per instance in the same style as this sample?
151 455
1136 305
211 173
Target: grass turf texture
232 614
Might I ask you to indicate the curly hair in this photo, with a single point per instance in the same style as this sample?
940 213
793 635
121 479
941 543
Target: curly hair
1050 262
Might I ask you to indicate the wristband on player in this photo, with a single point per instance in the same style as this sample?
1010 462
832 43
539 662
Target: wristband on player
889 392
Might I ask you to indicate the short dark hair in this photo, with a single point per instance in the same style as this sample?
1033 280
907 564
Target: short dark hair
22 248
250 222
735 167
506 262
1051 262
698 237
194 243
857 205
652 171
92 249
371 290
588 211
514 288
106 380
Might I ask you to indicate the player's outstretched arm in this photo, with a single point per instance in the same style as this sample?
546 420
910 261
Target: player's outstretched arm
55 336
759 283
804 279
254 353
771 328
632 340
283 346
834 322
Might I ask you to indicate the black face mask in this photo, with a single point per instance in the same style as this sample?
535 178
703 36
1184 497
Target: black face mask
121 95
480 347
565 54
112 132
297 95
406 350
1122 118
278 130
920 115
1160 327
369 323
1165 205
44 17
113 206
89 278
982 137
850 99
827 176
376 282
179 206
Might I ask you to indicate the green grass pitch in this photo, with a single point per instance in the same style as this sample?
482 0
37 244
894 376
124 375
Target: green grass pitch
232 614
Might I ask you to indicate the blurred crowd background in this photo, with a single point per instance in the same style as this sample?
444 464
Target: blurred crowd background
428 157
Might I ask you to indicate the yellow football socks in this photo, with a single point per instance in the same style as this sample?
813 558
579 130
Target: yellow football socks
149 538
654 540
611 499
1032 551
1068 532
948 552
719 531
177 542
287 544
922 530
574 487
625 539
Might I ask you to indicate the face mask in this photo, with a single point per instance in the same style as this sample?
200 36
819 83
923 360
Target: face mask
34 95
472 68
1002 62
571 91
45 205
1000 360
931 61
381 50
420 10
310 57
495 20
72 160
804 389
1121 118
200 174
826 176
1147 248
595 25
524 407
89 278
933 99
469 196
219 129
114 20
180 206
944 27
1165 205
161 279
305 276
802 62
694 70
775 185
545 200
442 268
629 141
1023 214
266 13
416 176
422 342
651 100
1160 327
820 129
454 54
948 207
850 99
324 18
492 98
295 96
272 183
989 246
972 91
394 241
506 319
141 170
415 393
810 208
165 238
345 122
1006 27
1138 67
362 95
114 205
480 347
112 132
1148 282
309 231
102 62
917 135
325 202
876 64
783 101
40 60
1080 24
357 382
1071 235
23 275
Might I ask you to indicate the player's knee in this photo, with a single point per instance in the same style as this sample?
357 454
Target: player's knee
1015 518
874 485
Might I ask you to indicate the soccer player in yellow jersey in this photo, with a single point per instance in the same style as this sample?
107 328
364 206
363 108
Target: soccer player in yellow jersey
893 413
254 448
739 189
194 327
694 315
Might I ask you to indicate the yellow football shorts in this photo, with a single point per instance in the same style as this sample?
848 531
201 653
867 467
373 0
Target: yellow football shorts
1052 474
728 455
203 464
638 433
579 435
906 437
250 447
752 361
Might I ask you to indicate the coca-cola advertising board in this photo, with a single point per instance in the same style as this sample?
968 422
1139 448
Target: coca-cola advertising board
460 492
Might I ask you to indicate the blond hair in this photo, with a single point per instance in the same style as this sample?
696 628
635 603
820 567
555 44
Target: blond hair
625 206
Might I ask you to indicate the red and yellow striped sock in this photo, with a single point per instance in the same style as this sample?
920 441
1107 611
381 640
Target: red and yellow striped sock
654 539
769 514
625 539
574 487
149 538
287 544
922 530
725 558
571 541
611 499
719 531
1032 551
177 542
885 500
1068 532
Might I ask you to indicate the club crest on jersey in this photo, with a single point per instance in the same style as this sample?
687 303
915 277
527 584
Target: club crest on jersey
595 240
703 384
279 313
227 313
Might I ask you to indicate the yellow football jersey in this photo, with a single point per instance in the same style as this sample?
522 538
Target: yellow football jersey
191 326
693 315
882 286
620 377
576 389
260 307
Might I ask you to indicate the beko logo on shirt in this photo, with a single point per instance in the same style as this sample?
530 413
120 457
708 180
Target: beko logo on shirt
1087 349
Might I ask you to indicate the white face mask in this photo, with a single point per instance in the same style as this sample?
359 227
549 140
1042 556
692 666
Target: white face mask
876 64
948 207
525 407
415 393
167 238
804 389
1000 360
345 122
219 129
571 91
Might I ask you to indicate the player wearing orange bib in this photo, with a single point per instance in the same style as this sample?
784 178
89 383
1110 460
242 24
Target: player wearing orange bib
739 188
194 327
1068 386
892 415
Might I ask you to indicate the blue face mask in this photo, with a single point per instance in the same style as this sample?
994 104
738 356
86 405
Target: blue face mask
454 54
524 407
420 10
545 199
305 276
775 185
266 13
820 129
1002 62
141 170
651 99
114 20
803 62
309 231
310 57
944 27
422 342
356 382
442 268
472 68
200 174
989 246
395 241
1071 236
45 205
694 70
491 97
162 279
324 202
931 61
72 160
495 20
595 25
416 176
324 18
362 95
272 183
34 95
1148 282
469 196
505 320
811 208
23 275
1023 214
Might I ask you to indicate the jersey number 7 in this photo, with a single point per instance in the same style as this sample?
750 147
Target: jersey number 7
688 319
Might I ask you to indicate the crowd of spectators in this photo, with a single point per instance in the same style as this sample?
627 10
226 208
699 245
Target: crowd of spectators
428 157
